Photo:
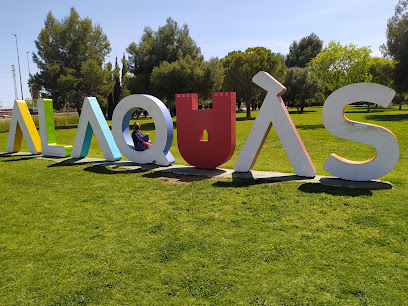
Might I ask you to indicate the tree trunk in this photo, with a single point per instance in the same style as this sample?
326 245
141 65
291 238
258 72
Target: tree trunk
368 107
248 109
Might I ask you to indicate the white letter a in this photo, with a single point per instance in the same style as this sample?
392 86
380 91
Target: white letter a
273 111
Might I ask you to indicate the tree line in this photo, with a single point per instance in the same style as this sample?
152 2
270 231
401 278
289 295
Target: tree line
71 55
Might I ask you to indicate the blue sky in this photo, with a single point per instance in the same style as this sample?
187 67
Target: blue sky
217 27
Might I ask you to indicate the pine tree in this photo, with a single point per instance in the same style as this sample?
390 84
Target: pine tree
117 88
124 65
70 56
111 106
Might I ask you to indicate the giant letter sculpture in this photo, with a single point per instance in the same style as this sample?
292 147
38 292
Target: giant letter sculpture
273 111
219 122
382 139
47 131
159 150
22 124
93 121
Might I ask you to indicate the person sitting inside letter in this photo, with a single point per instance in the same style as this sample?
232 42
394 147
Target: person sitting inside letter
141 142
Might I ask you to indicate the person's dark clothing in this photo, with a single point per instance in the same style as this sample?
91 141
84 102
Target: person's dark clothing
140 141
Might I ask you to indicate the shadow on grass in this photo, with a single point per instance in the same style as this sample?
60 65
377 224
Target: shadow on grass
100 169
75 162
175 177
66 127
292 112
245 119
396 117
239 183
17 159
337 191
186 170
373 110
362 111
6 154
310 126
247 179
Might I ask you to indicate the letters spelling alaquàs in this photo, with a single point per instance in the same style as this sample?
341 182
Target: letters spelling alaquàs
220 125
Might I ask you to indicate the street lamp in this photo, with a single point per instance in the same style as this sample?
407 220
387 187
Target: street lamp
31 85
28 62
19 69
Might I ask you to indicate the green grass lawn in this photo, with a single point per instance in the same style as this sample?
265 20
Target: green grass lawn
85 234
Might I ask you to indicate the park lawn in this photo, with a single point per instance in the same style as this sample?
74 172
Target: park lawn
73 234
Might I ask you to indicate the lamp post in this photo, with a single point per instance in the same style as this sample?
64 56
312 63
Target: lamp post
31 85
28 63
19 69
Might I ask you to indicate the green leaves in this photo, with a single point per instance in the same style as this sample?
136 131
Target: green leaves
168 44
187 75
240 67
300 87
397 44
339 65
167 62
382 70
70 54
301 53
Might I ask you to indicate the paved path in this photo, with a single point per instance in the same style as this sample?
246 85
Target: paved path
217 173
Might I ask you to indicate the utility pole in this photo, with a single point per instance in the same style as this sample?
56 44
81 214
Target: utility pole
19 69
13 69
28 62
31 85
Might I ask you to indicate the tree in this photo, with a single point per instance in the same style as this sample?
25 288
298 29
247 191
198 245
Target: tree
186 75
69 52
124 91
124 65
111 106
117 94
301 53
167 62
301 87
96 82
117 87
339 65
240 68
213 77
397 44
382 71
168 44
